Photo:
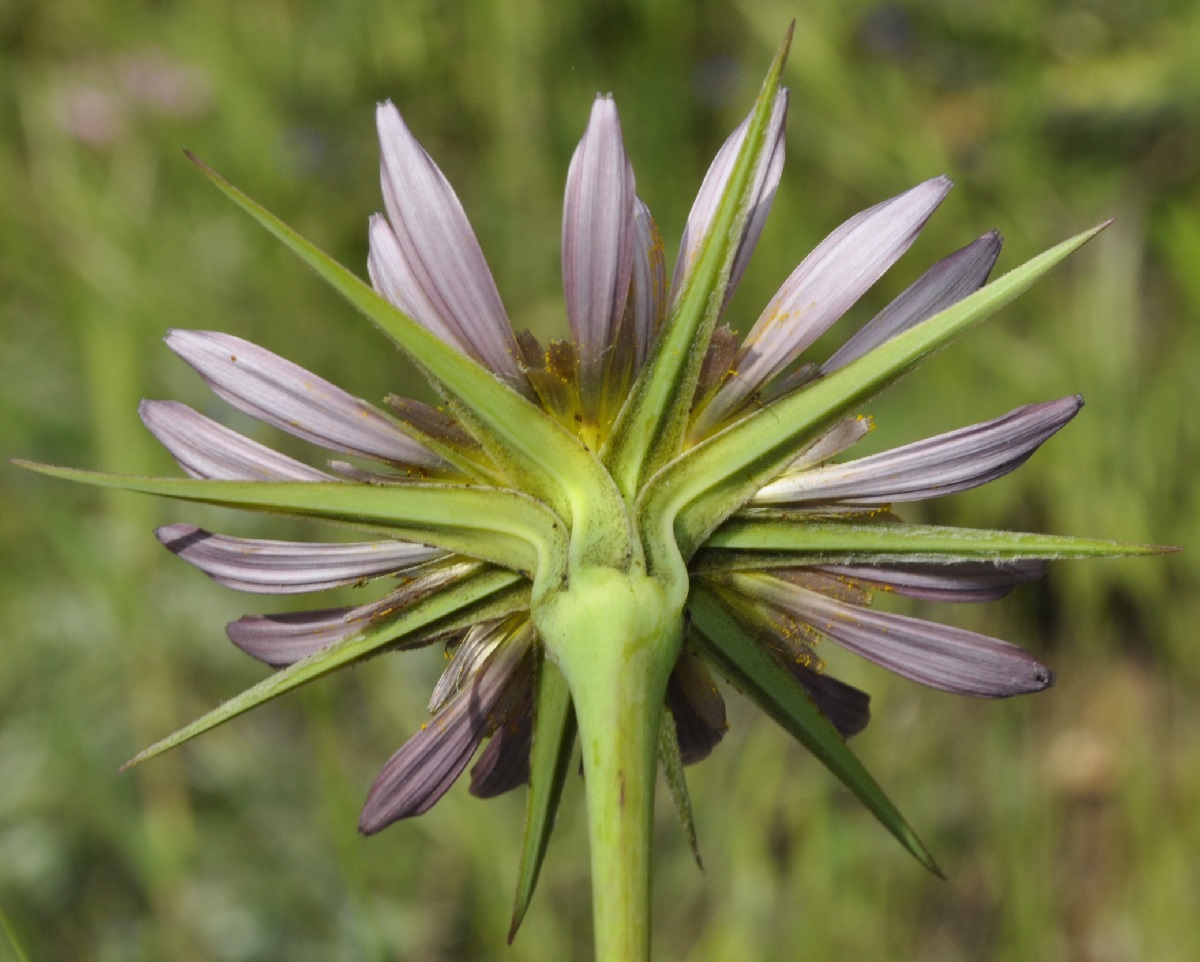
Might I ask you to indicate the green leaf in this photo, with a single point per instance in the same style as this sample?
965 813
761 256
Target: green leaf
782 540
505 527
488 593
650 427
542 458
549 759
699 490
749 666
672 765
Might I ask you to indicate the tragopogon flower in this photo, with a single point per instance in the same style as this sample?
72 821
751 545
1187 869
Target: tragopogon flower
594 524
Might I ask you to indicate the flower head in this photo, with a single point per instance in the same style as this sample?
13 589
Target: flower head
594 526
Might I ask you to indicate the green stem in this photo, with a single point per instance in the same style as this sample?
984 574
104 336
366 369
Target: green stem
616 637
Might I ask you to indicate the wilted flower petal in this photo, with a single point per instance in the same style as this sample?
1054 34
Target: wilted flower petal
847 708
698 709
428 763
504 764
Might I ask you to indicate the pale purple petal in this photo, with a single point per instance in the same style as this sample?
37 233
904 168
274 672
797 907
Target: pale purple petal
941 465
839 438
440 255
504 764
282 639
708 199
648 285
346 471
962 581
394 279
943 285
847 708
289 567
427 765
208 450
832 278
951 659
285 395
597 239
474 650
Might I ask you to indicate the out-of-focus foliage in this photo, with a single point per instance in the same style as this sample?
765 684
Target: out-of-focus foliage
1068 823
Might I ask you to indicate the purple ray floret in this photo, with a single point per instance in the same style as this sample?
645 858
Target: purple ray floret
285 395
437 262
937 466
597 240
289 567
834 276
206 449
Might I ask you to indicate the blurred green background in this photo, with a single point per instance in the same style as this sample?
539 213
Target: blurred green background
1068 823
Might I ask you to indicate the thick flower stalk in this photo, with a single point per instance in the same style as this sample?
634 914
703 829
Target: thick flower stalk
595 525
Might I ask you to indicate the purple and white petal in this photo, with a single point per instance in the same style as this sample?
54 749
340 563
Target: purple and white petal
648 285
346 471
393 278
950 659
283 639
440 255
213 452
708 198
697 707
943 285
289 567
937 466
597 240
847 708
504 764
962 581
839 438
832 278
285 395
428 763
475 648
